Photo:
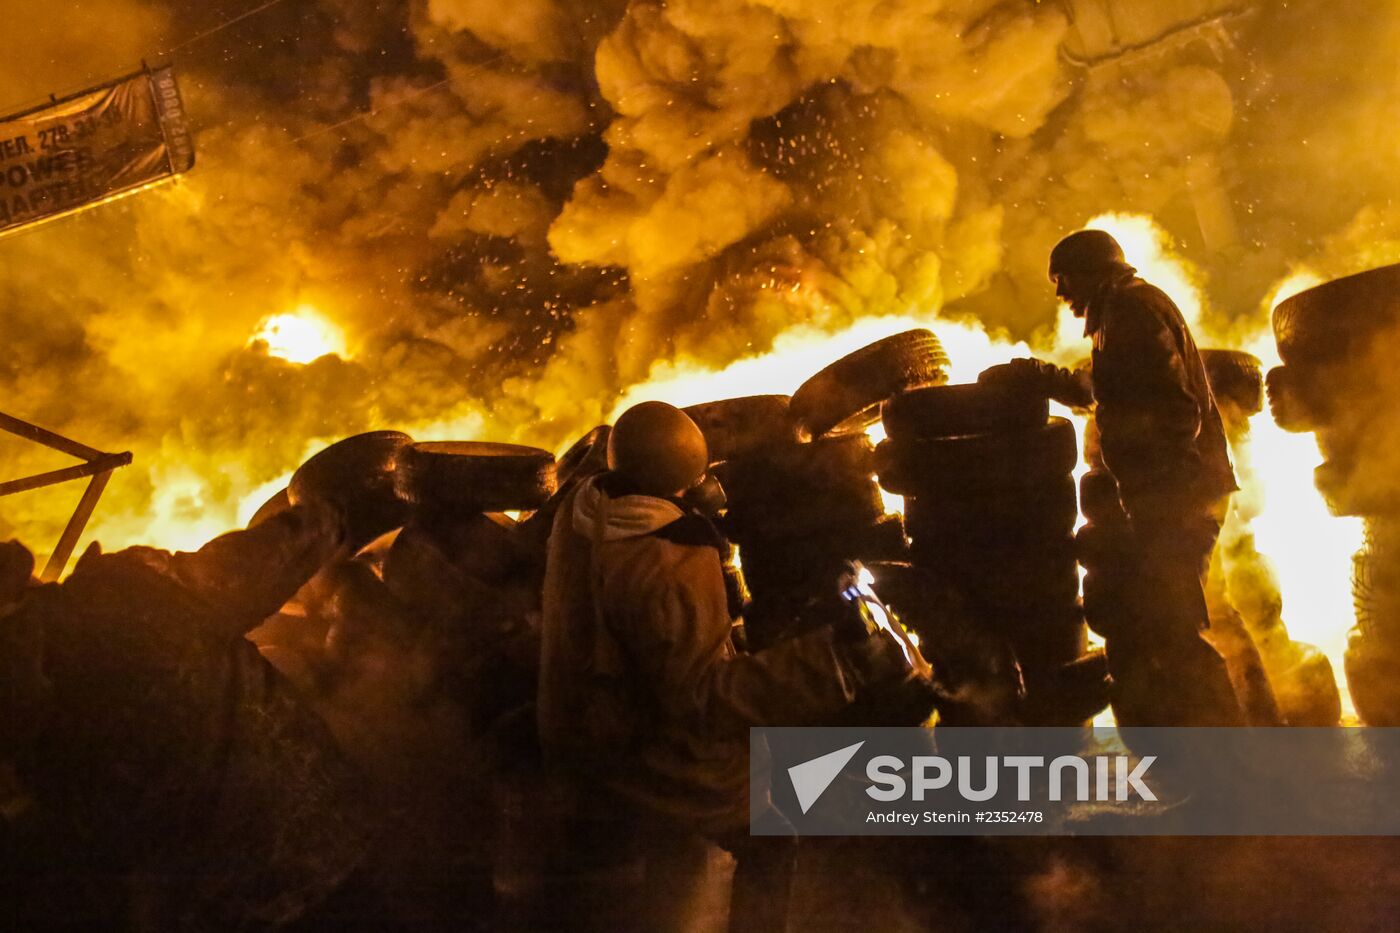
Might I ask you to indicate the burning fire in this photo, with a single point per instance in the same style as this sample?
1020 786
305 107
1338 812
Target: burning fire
1309 548
801 351
1149 248
300 336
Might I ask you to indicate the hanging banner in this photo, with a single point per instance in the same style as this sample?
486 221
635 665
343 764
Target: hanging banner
92 147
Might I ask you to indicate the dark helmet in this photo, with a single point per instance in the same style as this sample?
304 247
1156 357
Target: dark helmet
1086 251
657 449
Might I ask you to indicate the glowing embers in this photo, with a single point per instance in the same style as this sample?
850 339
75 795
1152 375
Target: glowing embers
299 336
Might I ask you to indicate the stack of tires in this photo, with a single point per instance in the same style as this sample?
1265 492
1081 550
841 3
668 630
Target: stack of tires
799 476
990 505
585 457
796 513
1373 651
1301 679
459 562
459 567
1100 545
1237 381
1338 343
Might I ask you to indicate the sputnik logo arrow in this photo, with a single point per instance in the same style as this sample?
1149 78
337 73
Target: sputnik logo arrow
811 778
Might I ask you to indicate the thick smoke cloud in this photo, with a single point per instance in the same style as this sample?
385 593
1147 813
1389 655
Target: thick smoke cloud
516 211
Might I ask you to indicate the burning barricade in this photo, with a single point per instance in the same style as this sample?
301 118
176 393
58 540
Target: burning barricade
158 747
992 508
420 652
1278 679
1338 380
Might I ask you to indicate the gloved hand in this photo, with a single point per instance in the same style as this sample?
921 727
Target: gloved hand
1031 375
881 638
1025 373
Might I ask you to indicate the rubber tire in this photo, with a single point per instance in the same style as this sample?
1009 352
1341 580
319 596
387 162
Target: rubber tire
1235 378
923 599
969 408
1074 693
1046 640
1048 513
970 661
961 560
358 475
1307 692
1349 492
845 396
1330 321
488 547
791 520
738 426
1107 547
276 505
1373 679
978 462
586 456
1375 593
1107 608
1036 577
904 703
778 564
769 488
1098 499
1299 400
1029 592
476 476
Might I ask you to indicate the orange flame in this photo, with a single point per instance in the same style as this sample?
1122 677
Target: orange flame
300 336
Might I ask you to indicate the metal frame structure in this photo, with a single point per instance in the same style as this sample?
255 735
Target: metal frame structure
97 464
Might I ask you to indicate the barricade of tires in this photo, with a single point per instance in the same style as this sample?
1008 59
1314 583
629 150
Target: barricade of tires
799 477
416 647
1102 546
990 504
1338 380
1292 679
1373 649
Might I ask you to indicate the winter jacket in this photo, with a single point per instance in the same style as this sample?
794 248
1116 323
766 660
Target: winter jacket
643 689
1159 427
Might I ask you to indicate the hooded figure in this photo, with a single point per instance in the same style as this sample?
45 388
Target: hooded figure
641 688
1161 437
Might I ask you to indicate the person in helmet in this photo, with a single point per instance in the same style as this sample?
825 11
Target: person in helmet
1160 435
641 689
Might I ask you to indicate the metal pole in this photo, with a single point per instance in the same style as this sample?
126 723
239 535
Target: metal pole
58 560
101 465
48 438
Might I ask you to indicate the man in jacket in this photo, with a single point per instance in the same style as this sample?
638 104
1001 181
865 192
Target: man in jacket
1161 437
641 689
